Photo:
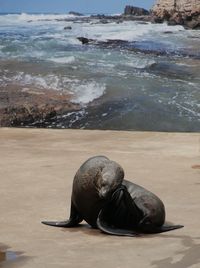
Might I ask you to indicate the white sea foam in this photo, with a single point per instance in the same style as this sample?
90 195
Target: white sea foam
87 92
63 60
129 31
139 63
36 17
22 19
83 91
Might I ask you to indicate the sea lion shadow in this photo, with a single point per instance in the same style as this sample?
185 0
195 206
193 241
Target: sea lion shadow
88 230
190 255
84 228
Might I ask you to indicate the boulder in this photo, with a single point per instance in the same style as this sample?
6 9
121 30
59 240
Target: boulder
136 11
68 28
23 106
178 12
75 13
85 40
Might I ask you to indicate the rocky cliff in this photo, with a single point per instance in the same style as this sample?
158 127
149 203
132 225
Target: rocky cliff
184 12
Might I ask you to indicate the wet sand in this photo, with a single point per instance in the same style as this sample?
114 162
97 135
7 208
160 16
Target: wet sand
37 169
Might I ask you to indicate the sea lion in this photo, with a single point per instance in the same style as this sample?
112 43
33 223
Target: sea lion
133 208
93 185
102 198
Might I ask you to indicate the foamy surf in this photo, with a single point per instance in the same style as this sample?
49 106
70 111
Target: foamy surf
87 91
63 60
82 91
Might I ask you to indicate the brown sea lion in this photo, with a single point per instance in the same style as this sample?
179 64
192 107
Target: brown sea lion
102 198
93 185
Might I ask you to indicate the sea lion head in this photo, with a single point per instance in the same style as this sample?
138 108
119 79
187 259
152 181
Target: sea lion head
109 179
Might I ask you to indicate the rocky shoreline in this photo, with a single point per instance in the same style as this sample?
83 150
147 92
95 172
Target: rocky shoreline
22 106
174 12
177 12
187 15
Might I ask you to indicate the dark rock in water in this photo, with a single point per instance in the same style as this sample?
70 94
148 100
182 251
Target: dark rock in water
98 16
168 32
104 21
104 44
85 40
138 47
194 23
75 13
119 21
116 41
175 19
131 10
142 22
67 28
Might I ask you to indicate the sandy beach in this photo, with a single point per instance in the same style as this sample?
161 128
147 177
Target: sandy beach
37 169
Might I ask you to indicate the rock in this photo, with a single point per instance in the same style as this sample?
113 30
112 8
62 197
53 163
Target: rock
85 40
105 44
137 11
168 32
98 16
176 18
75 13
22 107
104 21
178 12
68 28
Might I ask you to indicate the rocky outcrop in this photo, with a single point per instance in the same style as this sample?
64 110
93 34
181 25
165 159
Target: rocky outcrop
22 107
136 11
183 12
74 13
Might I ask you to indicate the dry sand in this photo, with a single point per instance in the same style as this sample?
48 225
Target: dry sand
37 169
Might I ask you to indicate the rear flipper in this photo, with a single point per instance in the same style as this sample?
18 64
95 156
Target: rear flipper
73 221
166 228
161 229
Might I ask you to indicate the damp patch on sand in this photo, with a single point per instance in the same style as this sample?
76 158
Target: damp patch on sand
196 166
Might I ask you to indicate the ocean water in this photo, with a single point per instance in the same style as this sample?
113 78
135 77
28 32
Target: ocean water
149 82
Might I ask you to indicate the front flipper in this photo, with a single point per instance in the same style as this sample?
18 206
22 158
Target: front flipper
111 230
65 224
73 221
117 216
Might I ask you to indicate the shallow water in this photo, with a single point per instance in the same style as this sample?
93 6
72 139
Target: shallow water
150 82
8 257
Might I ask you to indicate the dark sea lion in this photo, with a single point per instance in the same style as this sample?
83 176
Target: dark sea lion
133 208
104 200
93 185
